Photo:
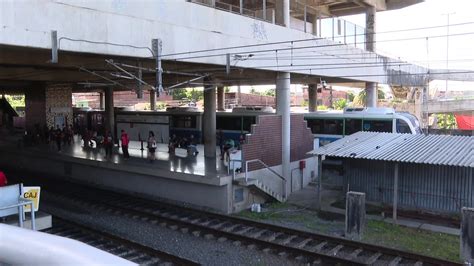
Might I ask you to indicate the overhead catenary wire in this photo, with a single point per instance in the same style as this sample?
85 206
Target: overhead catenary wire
253 52
312 39
281 52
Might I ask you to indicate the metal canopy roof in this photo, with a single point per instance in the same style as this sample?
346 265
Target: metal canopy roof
408 148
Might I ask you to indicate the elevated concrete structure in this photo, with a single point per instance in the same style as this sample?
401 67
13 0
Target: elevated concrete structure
27 43
449 106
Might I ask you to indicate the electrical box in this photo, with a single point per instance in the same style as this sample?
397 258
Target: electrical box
302 165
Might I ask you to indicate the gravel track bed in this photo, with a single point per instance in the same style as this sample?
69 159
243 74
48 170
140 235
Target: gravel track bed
200 249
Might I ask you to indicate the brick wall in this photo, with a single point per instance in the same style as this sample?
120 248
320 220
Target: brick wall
264 142
250 99
121 99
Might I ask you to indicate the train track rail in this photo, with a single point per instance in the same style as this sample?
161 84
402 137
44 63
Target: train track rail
118 246
302 246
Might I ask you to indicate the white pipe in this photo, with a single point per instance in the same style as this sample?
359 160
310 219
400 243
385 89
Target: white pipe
20 246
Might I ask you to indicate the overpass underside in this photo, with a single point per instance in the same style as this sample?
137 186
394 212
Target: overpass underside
22 67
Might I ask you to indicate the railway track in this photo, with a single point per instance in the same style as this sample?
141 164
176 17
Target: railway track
123 248
302 246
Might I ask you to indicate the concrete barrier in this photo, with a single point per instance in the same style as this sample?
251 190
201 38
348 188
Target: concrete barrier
355 215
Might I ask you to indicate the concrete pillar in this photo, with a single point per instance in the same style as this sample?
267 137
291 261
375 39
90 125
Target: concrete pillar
152 100
320 181
355 215
312 97
282 9
371 90
209 120
101 100
370 27
467 234
315 24
220 98
35 106
283 108
239 96
109 110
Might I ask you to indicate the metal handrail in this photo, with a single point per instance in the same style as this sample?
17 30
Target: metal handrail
233 167
264 164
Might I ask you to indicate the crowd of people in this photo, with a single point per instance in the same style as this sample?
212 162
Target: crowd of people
59 136
185 143
104 139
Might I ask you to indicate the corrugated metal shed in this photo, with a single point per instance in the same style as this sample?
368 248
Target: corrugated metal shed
408 148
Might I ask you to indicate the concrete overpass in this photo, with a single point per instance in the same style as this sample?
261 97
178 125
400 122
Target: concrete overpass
449 106
89 32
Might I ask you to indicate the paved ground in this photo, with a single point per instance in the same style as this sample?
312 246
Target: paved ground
178 162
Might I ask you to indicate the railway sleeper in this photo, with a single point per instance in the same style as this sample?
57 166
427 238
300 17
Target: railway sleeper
372 259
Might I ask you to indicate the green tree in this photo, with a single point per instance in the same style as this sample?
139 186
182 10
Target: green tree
179 94
340 104
446 121
269 92
195 95
190 94
350 96
380 94
360 99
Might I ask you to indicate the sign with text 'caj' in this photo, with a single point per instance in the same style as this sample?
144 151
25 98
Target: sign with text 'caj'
33 194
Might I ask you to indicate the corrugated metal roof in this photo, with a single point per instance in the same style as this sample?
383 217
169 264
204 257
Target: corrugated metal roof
409 148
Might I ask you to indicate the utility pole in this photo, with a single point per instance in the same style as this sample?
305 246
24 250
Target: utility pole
447 64
156 45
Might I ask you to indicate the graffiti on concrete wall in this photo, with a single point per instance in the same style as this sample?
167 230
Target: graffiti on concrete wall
258 30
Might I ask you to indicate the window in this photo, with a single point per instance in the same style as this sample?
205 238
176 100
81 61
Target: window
378 125
326 126
315 125
229 123
184 121
248 122
403 127
353 126
333 126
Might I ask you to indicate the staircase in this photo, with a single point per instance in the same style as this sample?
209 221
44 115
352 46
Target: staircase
7 108
252 182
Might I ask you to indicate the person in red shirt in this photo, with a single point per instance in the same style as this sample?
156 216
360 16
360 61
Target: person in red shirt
125 140
3 179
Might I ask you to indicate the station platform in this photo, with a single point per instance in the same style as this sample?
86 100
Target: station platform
177 178
178 162
195 181
42 220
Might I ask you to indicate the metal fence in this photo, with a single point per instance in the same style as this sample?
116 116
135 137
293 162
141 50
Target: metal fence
422 187
335 29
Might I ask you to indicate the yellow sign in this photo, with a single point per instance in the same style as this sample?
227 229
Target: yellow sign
33 194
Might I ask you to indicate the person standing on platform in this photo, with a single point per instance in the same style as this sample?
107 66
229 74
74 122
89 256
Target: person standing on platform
220 142
151 146
3 179
109 144
125 140
59 135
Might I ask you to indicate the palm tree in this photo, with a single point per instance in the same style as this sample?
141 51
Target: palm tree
361 98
